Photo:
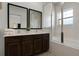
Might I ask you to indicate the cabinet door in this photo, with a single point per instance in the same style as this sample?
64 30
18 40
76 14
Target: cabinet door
27 46
37 44
13 49
45 42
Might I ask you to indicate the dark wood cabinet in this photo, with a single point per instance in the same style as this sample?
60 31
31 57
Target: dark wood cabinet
26 45
12 46
37 45
45 41
13 49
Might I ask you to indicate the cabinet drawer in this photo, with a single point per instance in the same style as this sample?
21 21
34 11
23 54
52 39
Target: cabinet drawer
45 36
38 36
12 39
28 37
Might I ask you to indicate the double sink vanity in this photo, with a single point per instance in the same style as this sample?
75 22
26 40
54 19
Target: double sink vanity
29 43
26 44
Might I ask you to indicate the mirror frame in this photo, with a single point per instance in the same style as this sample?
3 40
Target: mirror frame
8 24
41 18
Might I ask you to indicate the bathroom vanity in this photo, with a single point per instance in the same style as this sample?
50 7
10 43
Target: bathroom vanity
26 45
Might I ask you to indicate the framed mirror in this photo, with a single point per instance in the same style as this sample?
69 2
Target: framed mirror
35 19
17 17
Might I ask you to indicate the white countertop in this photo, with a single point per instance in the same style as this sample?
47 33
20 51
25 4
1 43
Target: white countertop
12 32
26 33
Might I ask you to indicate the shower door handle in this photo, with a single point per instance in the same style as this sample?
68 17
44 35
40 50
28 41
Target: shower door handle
62 37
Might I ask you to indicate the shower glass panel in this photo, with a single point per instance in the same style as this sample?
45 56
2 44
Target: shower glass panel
71 24
68 22
57 27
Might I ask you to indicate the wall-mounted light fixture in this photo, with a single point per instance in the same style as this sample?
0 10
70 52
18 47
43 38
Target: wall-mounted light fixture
0 5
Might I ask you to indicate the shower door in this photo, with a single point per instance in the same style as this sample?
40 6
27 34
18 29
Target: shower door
71 23
64 25
68 22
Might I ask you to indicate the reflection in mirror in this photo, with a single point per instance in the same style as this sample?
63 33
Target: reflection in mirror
35 19
14 20
17 16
